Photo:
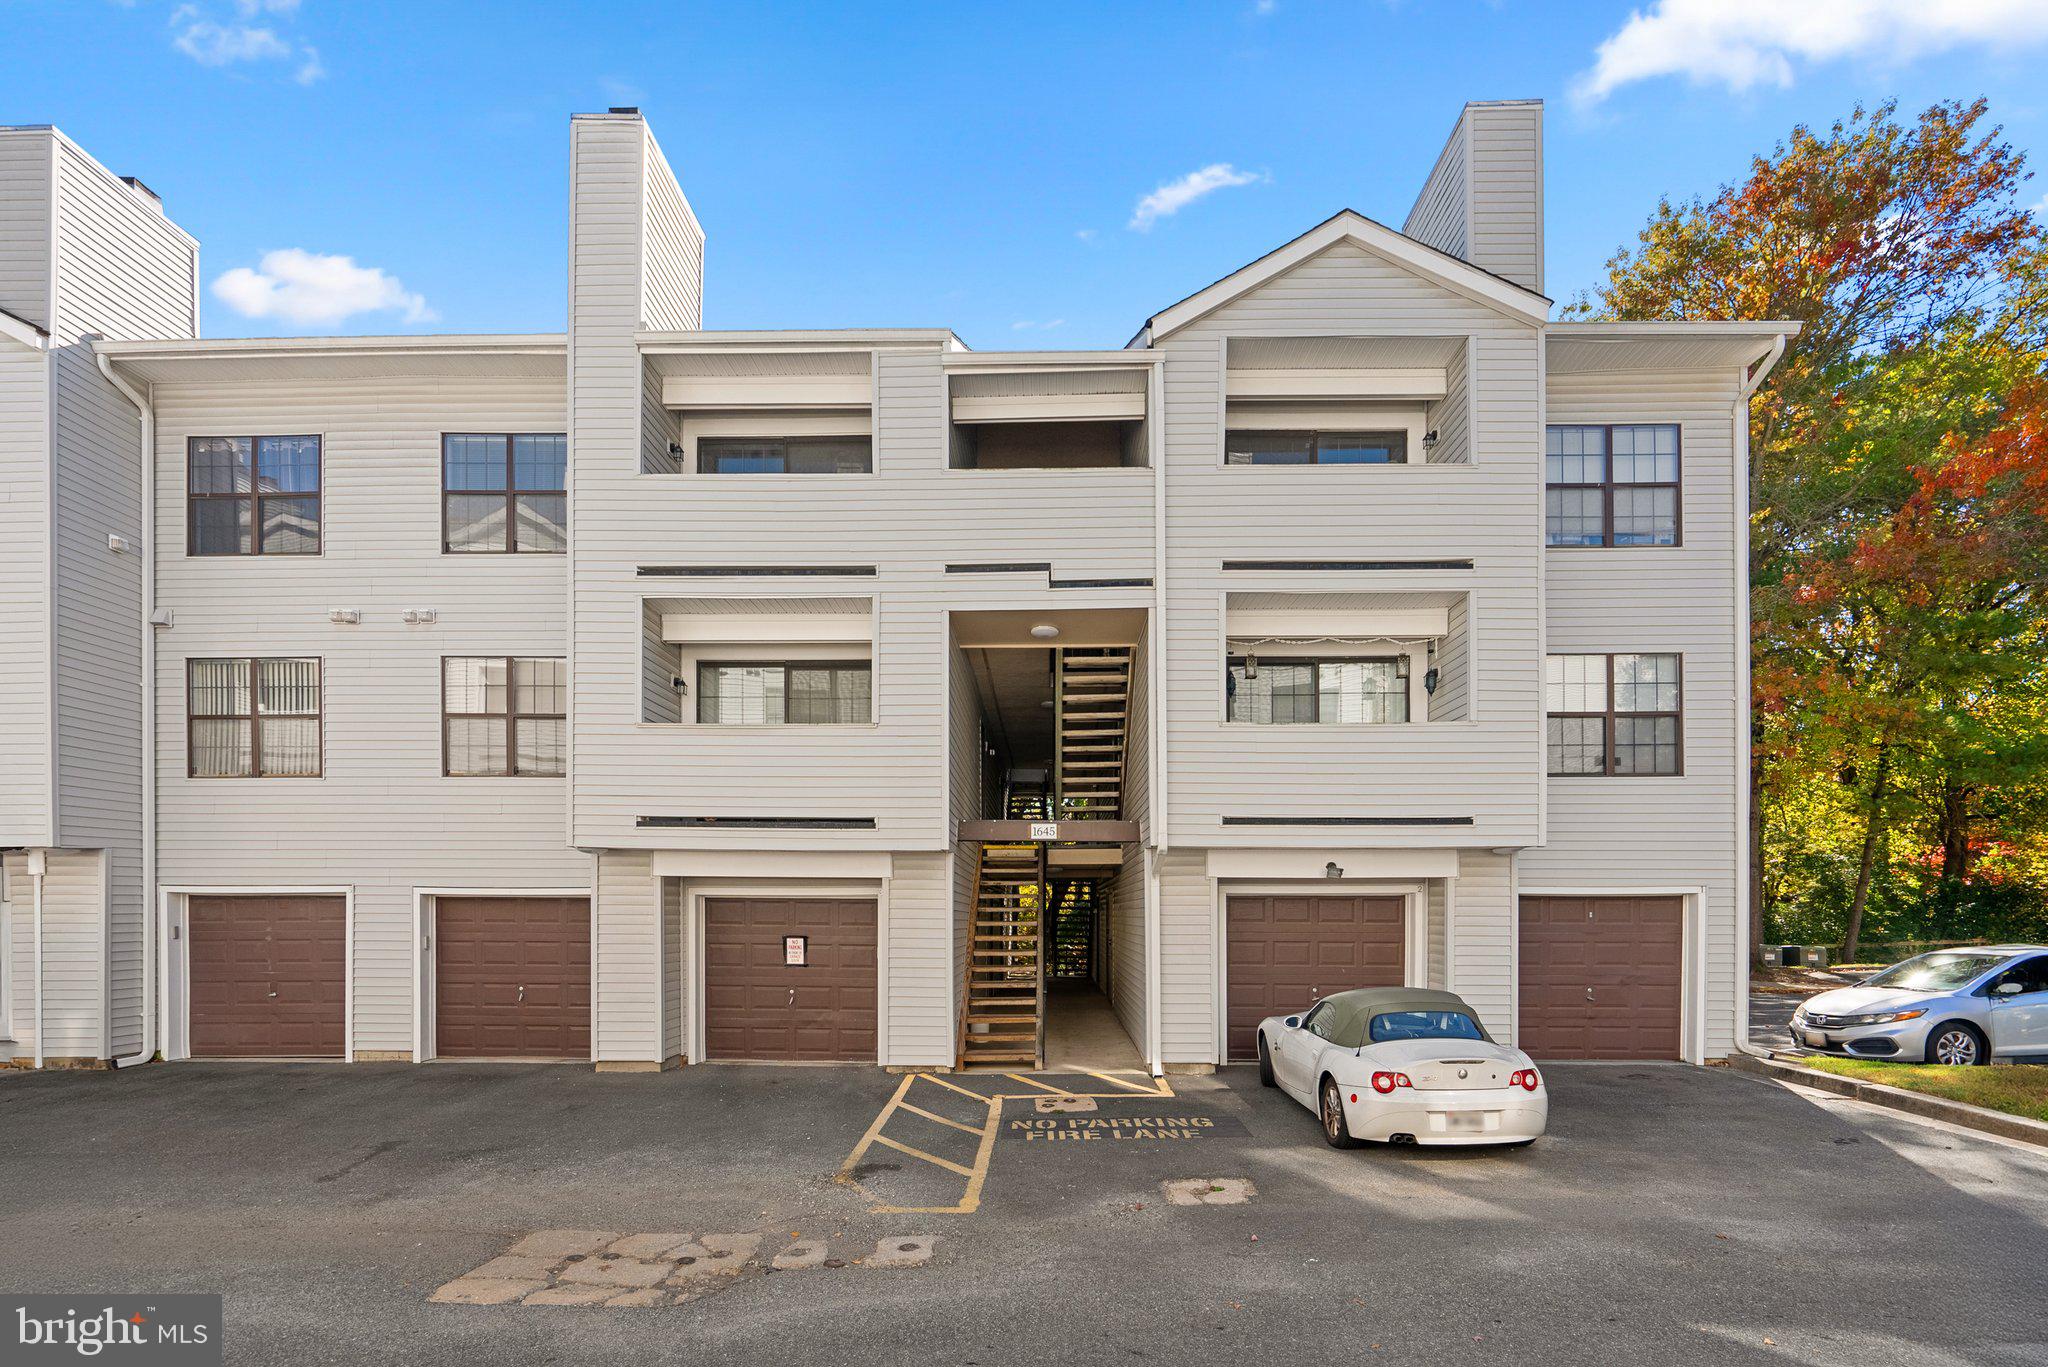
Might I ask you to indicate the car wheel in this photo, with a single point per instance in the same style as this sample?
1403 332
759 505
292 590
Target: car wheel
1265 1065
1957 1044
1336 1130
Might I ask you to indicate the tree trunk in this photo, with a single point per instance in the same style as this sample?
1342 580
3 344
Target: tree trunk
1873 831
1955 830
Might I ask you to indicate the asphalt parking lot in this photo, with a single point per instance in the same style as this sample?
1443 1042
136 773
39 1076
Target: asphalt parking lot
1674 1214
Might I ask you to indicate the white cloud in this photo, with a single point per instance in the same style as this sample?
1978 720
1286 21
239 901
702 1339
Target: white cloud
209 42
1175 195
1742 44
1085 234
1265 6
311 289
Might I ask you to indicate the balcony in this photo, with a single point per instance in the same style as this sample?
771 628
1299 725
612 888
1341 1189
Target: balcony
1049 410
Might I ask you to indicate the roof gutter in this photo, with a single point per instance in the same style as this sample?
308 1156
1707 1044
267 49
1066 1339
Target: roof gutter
146 408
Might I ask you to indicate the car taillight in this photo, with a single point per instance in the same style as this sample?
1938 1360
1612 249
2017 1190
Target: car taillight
1526 1079
1387 1082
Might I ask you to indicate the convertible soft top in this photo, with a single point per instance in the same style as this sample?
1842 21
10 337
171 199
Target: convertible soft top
1351 1012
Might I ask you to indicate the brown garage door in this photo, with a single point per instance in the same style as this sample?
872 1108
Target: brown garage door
1284 952
757 1006
1601 977
512 977
268 976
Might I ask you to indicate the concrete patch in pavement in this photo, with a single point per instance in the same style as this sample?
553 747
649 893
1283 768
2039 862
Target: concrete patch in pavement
901 1251
557 1244
680 1271
804 1253
1209 1191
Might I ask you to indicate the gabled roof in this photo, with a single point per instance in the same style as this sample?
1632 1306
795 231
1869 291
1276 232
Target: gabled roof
1348 225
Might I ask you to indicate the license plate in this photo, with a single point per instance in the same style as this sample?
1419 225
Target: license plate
1459 1122
1815 1040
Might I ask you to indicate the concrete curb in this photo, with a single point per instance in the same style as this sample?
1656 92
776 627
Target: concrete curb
1898 1099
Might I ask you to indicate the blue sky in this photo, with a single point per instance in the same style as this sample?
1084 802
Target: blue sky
978 166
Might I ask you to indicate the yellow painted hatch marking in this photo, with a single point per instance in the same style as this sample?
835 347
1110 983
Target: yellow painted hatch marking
976 1173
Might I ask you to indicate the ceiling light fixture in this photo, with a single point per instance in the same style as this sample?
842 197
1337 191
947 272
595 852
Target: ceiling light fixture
1045 631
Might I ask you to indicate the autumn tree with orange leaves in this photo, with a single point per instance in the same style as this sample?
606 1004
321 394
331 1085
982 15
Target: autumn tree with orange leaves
1898 502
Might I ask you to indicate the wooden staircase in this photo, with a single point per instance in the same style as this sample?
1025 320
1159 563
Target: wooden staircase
1092 701
1003 1013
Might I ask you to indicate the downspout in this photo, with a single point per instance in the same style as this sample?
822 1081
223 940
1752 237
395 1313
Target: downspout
38 863
1155 720
1751 381
147 410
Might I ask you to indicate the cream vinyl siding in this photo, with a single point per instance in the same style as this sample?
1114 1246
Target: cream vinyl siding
1438 218
626 976
909 520
1137 775
1505 153
1190 960
123 271
675 955
382 818
27 172
27 180
1486 769
1483 945
672 290
607 208
1660 832
1127 943
918 975
25 815
1437 913
75 981
969 779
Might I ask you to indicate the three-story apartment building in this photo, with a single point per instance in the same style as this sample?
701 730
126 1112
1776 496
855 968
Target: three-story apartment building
649 694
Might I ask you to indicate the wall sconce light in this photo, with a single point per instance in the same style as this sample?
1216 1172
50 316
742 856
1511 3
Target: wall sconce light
1431 674
675 448
1251 665
1332 870
1429 440
676 682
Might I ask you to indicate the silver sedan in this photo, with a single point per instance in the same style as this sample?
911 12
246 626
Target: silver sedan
1953 1006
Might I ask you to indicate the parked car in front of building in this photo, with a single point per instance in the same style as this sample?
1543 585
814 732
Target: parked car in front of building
1403 1065
1951 1006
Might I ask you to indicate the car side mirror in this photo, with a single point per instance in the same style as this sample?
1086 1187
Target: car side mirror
2006 990
1292 1022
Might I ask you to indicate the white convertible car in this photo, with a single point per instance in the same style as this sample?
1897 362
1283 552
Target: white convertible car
1403 1065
